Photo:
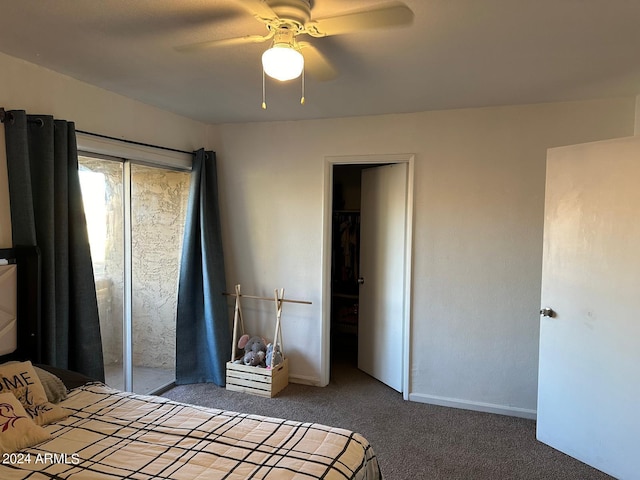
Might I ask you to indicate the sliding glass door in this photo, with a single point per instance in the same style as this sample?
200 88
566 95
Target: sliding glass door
135 217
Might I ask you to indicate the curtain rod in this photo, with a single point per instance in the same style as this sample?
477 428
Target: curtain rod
4 115
133 142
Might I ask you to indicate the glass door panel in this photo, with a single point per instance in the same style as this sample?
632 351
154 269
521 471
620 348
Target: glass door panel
158 208
102 191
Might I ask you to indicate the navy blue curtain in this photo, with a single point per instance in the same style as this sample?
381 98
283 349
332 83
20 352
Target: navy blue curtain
47 211
203 334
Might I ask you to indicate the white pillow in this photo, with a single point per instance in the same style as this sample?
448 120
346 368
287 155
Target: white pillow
17 430
21 380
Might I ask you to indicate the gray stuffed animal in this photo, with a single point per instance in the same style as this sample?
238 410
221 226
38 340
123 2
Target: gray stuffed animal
255 350
254 359
277 359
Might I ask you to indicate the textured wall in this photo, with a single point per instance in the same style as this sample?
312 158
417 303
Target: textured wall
479 182
159 202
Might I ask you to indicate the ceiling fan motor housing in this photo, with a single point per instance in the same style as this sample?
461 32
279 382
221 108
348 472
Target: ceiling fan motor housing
284 36
296 12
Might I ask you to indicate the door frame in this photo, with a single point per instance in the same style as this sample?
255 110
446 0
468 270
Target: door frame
330 162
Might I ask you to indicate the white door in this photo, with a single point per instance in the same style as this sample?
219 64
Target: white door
589 372
383 217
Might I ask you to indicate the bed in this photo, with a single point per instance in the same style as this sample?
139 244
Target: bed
102 433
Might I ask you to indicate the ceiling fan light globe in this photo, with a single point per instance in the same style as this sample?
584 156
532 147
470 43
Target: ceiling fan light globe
282 62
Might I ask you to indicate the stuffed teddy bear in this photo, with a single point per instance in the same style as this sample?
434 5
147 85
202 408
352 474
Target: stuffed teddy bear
255 350
276 359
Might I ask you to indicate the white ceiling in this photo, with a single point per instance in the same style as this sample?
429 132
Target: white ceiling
456 54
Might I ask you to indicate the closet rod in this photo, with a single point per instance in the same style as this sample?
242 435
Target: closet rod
267 298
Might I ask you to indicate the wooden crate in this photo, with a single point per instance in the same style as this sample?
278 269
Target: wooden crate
256 380
266 382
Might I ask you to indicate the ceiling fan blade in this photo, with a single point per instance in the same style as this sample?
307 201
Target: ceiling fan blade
259 9
224 42
316 64
390 14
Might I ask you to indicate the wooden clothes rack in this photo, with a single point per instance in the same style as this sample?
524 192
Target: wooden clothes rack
237 317
260 381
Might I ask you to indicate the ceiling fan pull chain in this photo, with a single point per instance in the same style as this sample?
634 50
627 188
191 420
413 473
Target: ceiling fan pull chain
302 98
264 94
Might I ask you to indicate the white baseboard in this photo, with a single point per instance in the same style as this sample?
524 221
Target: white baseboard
476 406
305 380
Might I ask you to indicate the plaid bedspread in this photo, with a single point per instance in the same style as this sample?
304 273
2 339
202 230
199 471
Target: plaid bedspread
113 435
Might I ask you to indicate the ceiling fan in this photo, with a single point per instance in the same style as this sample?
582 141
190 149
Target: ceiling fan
286 20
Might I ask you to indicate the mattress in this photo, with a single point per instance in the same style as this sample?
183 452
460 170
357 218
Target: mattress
113 434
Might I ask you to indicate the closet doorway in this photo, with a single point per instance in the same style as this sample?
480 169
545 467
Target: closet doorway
367 274
345 264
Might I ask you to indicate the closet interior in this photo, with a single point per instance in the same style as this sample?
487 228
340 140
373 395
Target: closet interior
345 262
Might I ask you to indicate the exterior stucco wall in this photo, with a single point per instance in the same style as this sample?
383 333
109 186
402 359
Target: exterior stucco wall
159 204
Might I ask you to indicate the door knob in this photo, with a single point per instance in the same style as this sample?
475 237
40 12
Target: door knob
361 280
547 312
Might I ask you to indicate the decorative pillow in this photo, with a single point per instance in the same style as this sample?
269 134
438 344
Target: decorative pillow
53 386
17 430
21 380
